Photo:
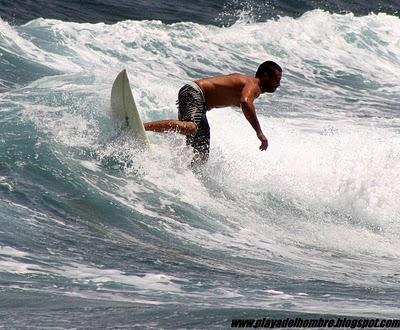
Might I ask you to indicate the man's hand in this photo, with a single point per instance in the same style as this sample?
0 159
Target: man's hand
264 141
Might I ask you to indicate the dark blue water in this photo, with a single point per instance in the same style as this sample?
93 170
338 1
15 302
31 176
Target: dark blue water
95 234
203 11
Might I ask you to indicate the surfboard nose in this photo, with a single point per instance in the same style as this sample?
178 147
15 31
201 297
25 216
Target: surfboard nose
124 111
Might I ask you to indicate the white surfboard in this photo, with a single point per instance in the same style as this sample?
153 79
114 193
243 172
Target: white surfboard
123 109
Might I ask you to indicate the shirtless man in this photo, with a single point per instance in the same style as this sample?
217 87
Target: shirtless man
196 98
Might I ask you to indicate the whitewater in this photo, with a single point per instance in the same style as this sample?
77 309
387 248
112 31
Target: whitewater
94 233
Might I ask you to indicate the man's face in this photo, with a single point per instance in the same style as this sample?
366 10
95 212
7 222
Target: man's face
271 83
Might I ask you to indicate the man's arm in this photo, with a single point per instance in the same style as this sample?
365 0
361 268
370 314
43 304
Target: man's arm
249 94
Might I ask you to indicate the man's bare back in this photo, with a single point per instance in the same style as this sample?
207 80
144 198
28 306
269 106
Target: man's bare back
226 91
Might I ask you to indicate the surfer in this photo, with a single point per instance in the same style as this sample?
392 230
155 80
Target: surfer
197 97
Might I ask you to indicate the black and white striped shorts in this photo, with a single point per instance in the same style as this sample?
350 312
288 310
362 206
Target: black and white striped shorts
192 107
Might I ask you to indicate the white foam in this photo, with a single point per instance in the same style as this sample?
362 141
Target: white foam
6 183
9 251
90 165
149 281
274 292
19 267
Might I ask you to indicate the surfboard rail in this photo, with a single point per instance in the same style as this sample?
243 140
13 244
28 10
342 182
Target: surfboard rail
124 110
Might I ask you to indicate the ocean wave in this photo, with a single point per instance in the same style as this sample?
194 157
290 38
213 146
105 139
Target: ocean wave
85 215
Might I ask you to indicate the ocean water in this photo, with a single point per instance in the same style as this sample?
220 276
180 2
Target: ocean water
95 234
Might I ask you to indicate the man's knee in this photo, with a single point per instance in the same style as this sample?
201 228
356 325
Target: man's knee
194 127
190 127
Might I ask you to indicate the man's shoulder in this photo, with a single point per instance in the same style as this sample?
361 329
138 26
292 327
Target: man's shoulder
233 79
239 76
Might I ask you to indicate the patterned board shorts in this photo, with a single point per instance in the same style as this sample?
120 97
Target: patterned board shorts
192 107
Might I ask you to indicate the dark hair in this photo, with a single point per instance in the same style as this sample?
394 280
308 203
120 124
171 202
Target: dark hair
269 68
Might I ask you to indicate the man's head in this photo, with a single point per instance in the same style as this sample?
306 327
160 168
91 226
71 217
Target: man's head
269 73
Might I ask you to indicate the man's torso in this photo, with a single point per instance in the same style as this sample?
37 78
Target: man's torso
224 91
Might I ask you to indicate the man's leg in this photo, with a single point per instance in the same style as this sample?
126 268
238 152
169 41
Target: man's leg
200 142
182 127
